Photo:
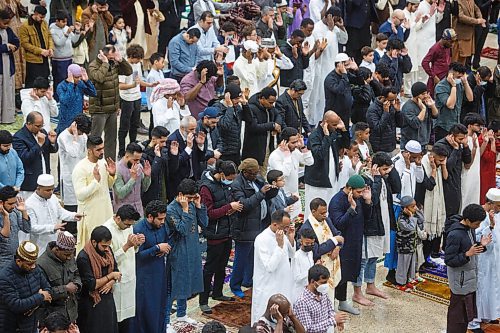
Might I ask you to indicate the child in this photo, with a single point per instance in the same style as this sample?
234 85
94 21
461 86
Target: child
80 47
229 38
157 61
361 136
368 54
406 242
302 261
280 201
119 35
381 40
362 95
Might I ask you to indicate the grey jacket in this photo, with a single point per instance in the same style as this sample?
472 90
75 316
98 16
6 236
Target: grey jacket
63 47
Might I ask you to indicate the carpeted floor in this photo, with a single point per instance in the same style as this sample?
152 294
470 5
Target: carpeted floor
490 53
236 314
435 288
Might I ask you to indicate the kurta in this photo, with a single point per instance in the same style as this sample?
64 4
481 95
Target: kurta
427 33
488 170
301 262
15 24
185 257
93 198
123 291
271 271
150 271
44 215
471 177
70 153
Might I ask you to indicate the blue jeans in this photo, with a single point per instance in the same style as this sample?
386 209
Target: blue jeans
368 270
243 265
181 305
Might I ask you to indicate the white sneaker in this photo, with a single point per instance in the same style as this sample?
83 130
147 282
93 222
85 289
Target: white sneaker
170 329
188 320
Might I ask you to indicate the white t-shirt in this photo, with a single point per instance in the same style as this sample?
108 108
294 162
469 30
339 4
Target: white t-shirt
132 94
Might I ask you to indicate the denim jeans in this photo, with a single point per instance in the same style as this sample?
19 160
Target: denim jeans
368 270
181 307
243 265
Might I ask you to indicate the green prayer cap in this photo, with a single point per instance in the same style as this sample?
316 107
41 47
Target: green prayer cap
356 181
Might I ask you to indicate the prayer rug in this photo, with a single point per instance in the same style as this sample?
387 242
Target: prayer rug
440 270
235 314
183 327
490 53
435 288
490 328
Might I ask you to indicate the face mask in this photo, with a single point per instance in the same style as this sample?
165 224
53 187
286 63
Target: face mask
322 288
483 83
273 320
307 248
226 181
458 81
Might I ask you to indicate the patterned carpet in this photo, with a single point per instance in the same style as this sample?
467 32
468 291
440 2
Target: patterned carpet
235 314
490 53
435 288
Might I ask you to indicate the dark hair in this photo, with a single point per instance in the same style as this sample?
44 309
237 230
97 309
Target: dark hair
157 56
116 18
6 14
83 123
133 148
440 149
228 168
7 192
94 141
187 187
273 175
395 44
135 51
366 50
484 72
159 132
353 143
278 216
361 127
317 202
30 118
298 33
389 90
231 79
40 10
365 73
206 14
213 327
41 83
458 67
56 321
228 26
267 92
108 48
209 65
381 37
472 118
307 233
5 137
128 212
458 129
155 208
381 158
494 125
305 22
247 329
288 132
194 32
100 234
247 30
61 15
317 272
382 69
298 85
474 213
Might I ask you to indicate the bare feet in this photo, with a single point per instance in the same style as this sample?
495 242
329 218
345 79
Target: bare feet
362 300
372 290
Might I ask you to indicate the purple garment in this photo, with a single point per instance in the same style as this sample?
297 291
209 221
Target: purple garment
134 197
298 17
205 95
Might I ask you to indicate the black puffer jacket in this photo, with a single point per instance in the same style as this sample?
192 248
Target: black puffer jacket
229 126
248 224
383 126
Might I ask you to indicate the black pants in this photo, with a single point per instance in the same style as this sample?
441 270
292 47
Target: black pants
480 38
431 247
129 122
124 326
215 267
341 291
461 311
439 133
71 225
36 70
235 158
166 33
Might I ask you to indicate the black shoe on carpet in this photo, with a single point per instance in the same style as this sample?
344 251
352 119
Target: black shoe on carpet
224 298
391 276
429 264
477 330
494 322
205 309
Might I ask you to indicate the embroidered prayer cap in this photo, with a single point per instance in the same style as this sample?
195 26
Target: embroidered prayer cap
268 43
449 34
356 181
249 164
251 45
65 240
413 146
341 57
45 180
233 90
406 201
27 251
75 70
164 87
493 194
418 88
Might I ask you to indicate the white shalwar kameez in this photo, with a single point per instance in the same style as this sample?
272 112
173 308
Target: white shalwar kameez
70 152
272 273
301 263
283 63
412 45
471 177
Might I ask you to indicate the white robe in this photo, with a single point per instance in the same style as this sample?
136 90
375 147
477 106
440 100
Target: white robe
471 178
427 34
301 263
70 153
377 246
488 289
315 8
283 63
272 273
44 215
322 67
409 177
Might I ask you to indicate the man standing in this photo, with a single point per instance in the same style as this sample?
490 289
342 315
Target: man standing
11 166
100 21
99 273
46 214
208 124
23 288
34 146
185 214
123 243
470 16
183 52
105 107
298 54
13 218
36 41
289 105
59 266
274 247
92 179
208 45
40 98
151 270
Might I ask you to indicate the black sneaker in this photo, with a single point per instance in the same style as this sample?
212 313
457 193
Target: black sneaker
205 309
477 330
224 298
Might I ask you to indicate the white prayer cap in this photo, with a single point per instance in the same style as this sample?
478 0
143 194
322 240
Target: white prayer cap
413 146
282 3
268 43
250 45
493 194
341 57
45 180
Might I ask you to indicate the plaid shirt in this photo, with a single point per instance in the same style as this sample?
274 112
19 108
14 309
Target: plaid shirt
316 315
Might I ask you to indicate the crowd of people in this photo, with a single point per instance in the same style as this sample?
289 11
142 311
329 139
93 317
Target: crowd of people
312 138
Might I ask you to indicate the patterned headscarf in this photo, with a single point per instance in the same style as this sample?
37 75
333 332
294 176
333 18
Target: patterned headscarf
165 87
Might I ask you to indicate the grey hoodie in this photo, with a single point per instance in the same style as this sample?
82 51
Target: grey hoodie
63 49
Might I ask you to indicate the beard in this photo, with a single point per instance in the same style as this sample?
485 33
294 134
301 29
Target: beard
101 253
4 152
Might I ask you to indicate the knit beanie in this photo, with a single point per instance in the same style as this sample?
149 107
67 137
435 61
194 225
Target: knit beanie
418 88
356 181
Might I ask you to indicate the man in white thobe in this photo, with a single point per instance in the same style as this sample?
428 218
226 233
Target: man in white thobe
46 213
274 247
471 173
331 28
287 158
124 244
302 261
273 63
414 22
